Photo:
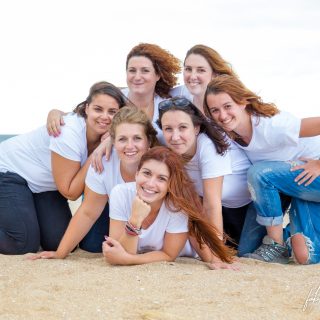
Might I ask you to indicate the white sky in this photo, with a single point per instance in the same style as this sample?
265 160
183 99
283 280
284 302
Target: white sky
53 51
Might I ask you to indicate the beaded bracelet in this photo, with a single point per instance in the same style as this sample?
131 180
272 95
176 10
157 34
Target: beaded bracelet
132 230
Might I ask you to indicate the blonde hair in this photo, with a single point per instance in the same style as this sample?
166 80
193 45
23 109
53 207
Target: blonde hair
133 115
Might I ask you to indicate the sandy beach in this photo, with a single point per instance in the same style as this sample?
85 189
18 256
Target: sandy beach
83 286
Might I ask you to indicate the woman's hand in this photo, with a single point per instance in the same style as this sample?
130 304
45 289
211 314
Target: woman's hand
311 170
103 149
217 264
54 122
139 211
114 252
44 255
223 265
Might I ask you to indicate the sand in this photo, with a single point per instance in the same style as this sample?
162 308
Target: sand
84 286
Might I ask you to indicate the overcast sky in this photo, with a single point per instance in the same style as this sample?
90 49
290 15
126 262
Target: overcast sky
53 51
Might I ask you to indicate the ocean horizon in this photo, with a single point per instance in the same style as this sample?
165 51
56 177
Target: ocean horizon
6 136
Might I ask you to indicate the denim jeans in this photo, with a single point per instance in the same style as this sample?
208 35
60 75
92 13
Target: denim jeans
233 220
92 242
305 220
252 232
266 180
28 220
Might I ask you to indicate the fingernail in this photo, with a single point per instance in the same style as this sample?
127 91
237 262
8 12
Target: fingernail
106 237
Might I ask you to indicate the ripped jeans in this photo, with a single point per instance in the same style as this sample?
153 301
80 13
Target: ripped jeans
266 180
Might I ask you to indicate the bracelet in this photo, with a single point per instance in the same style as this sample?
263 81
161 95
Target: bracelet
132 230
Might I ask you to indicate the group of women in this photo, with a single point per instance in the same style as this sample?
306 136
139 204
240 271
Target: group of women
174 181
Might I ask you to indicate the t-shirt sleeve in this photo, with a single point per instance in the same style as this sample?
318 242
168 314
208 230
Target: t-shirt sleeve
213 164
120 204
95 181
178 223
69 143
284 128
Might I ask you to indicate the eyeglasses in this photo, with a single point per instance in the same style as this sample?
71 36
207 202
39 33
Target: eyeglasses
178 101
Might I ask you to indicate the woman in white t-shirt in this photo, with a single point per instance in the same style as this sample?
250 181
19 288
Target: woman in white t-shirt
132 134
267 134
38 173
151 74
201 65
150 219
203 147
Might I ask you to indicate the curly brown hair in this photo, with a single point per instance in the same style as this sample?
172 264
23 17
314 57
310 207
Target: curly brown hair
165 64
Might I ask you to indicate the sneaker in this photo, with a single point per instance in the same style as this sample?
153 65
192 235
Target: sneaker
270 251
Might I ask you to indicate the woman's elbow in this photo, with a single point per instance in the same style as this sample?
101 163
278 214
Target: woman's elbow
72 196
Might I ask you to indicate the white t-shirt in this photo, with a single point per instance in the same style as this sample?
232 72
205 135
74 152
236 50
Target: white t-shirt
110 176
157 100
277 139
207 163
181 90
29 155
235 192
152 238
176 91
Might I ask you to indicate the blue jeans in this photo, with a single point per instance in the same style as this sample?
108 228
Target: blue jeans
28 220
266 180
252 232
92 242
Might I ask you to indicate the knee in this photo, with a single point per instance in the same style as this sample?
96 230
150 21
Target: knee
300 249
21 244
257 172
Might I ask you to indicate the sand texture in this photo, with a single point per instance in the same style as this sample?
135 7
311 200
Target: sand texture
83 286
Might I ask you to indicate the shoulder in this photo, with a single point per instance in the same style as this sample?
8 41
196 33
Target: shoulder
181 91
73 120
124 189
281 119
125 91
205 145
75 125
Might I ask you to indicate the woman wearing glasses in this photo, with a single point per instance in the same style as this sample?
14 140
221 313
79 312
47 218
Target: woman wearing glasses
272 139
203 148
147 72
201 65
150 219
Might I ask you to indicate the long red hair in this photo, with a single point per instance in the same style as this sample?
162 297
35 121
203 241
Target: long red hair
182 197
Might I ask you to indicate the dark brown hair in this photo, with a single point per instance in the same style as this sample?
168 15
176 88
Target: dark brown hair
102 87
207 126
